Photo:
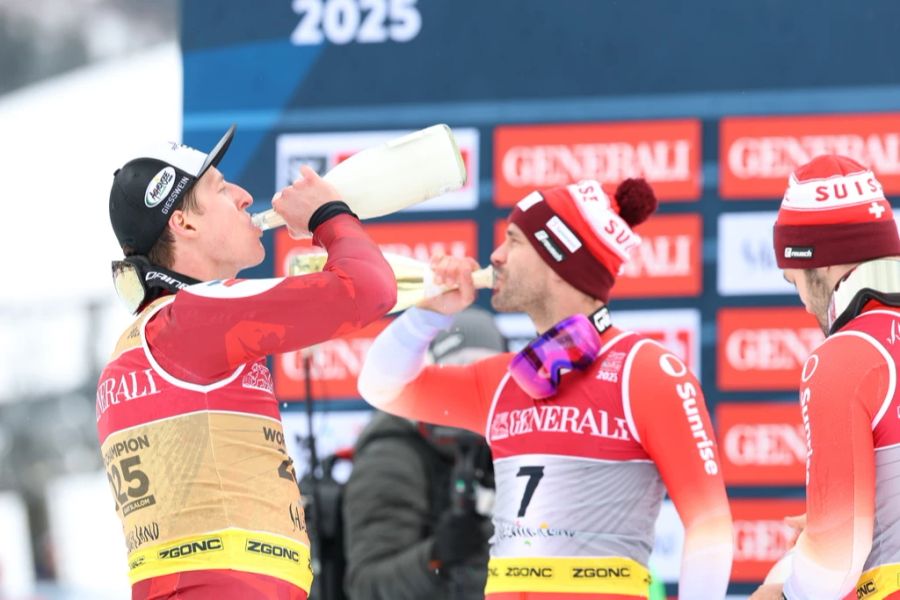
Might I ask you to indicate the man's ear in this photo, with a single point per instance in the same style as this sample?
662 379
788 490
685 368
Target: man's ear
182 225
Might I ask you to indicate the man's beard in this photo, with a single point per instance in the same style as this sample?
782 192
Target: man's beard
823 322
502 303
513 299
819 297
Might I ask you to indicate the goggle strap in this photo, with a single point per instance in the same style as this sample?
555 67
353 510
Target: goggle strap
152 279
160 277
601 319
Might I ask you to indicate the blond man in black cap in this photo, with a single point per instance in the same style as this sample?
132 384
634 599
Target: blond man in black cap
188 423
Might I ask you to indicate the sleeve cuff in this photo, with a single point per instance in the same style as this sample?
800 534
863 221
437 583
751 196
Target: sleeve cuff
425 324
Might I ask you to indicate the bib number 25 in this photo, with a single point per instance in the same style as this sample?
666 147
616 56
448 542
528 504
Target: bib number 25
129 484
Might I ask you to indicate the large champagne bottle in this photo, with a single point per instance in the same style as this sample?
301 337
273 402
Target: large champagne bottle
404 171
415 280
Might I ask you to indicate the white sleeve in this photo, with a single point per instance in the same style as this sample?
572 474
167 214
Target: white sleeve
397 355
809 580
705 572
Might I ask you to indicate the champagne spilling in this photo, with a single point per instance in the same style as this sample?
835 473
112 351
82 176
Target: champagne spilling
415 280
399 173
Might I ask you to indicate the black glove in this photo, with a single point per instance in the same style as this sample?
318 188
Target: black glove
458 537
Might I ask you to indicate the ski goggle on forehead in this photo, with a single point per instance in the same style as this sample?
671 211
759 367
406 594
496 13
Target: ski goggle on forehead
571 344
135 280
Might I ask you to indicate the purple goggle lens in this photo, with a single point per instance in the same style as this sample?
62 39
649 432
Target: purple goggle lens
570 344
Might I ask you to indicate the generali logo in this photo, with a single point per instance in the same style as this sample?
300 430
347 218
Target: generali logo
416 240
764 348
668 261
666 153
561 419
334 366
762 443
758 154
761 537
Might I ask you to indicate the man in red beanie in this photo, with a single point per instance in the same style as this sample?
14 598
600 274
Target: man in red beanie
836 241
589 425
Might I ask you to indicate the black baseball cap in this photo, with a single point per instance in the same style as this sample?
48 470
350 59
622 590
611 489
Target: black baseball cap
147 189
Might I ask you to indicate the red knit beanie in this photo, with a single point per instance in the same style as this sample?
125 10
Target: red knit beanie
834 212
581 233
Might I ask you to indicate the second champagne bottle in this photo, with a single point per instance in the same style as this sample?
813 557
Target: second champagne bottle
415 281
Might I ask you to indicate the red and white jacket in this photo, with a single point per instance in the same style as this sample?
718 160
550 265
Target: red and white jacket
190 430
851 411
581 475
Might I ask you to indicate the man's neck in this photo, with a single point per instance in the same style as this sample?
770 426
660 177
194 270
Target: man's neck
201 270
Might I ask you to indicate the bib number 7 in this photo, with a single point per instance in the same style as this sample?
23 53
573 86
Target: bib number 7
534 475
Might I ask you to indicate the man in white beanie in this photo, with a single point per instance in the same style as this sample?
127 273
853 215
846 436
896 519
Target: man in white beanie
836 241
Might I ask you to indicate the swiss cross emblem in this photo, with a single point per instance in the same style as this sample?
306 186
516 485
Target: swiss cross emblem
876 209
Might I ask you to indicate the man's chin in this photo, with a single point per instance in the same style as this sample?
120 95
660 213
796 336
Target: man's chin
255 261
262 255
500 304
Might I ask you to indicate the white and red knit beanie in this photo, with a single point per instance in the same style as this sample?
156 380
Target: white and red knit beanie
583 234
833 212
